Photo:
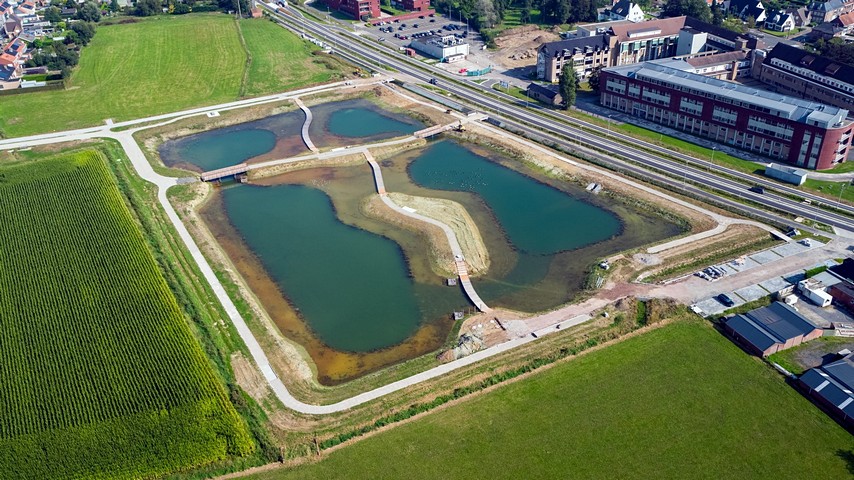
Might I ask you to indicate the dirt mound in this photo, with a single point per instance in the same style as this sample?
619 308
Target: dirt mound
518 46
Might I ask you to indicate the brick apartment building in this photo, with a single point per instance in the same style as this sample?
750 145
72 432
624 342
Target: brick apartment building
800 132
359 9
623 43
415 5
799 73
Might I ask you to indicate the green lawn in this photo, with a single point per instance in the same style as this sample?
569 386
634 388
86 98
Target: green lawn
678 402
830 188
285 67
159 65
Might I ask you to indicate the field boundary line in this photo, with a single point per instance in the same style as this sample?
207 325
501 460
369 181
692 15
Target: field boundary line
248 64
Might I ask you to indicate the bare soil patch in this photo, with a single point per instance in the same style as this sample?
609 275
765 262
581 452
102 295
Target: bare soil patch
518 46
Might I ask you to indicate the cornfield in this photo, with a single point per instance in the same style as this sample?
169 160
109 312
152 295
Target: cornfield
100 376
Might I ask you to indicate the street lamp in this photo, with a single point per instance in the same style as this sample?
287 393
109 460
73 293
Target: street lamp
842 189
714 149
609 124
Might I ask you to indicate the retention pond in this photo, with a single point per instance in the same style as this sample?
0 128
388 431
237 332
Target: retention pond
359 293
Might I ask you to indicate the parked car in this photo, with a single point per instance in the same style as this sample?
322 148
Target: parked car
724 298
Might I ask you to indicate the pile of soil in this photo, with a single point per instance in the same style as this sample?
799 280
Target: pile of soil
518 46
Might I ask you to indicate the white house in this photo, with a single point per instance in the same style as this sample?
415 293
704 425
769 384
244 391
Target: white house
622 10
780 21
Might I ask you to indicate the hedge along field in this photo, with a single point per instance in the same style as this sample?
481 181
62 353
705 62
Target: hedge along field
679 402
164 64
100 376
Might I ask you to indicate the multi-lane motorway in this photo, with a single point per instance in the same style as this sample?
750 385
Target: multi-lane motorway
635 156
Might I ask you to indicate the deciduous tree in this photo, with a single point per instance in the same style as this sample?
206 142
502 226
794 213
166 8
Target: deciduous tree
692 8
568 85
89 12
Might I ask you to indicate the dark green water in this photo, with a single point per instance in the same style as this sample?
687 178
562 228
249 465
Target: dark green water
225 149
357 121
351 285
541 239
334 124
536 218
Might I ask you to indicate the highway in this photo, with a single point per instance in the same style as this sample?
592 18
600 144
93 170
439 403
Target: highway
680 169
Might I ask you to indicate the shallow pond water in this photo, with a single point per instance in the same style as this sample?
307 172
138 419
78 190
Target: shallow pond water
359 293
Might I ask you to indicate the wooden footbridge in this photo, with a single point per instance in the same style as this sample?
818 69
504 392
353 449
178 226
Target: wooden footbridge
459 261
221 173
437 129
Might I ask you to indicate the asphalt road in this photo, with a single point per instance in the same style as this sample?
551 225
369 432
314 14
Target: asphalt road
552 126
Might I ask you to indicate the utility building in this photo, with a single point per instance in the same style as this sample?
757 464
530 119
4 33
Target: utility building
441 46
831 386
770 329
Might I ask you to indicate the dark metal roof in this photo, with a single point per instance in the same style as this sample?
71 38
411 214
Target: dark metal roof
843 371
811 61
549 91
554 48
782 320
845 269
826 386
776 323
751 332
622 8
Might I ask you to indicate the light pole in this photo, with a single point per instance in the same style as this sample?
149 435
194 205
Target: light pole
714 149
842 189
609 124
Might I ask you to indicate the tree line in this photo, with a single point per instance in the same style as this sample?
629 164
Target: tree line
484 14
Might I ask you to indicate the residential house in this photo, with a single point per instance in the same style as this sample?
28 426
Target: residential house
771 329
12 58
829 10
803 16
748 9
11 26
780 21
548 94
838 27
622 10
25 8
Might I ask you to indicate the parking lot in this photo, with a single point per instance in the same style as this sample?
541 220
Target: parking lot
400 33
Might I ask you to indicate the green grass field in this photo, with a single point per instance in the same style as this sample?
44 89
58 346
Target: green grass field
165 64
100 376
678 402
285 67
